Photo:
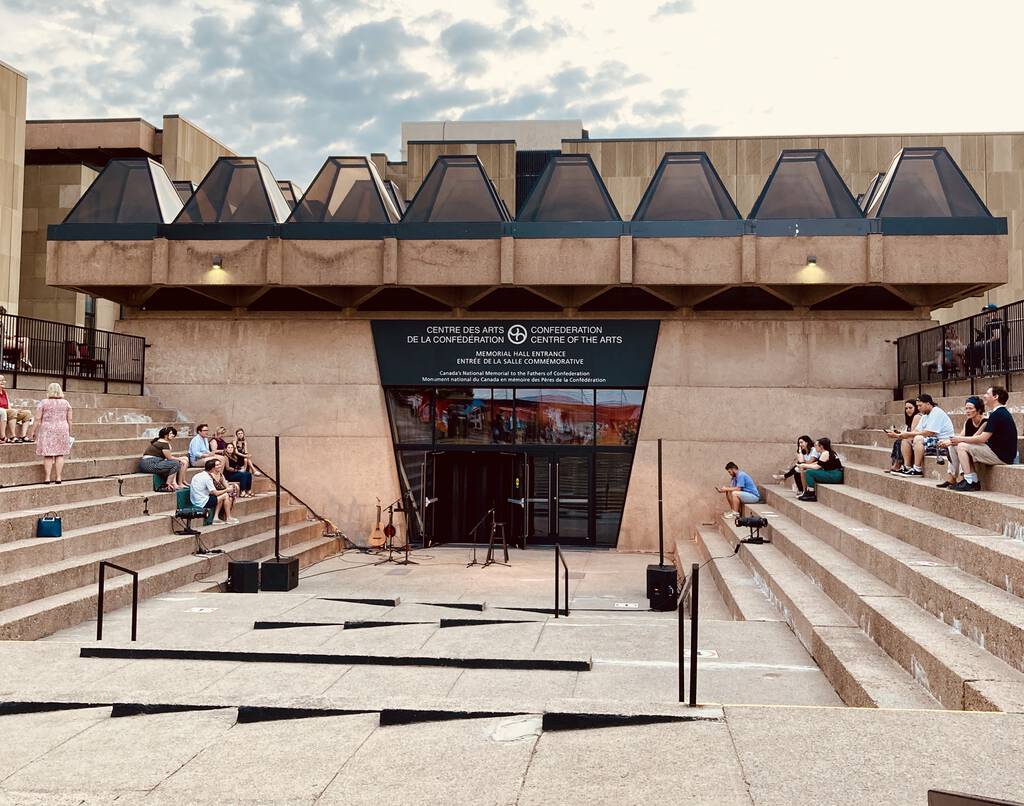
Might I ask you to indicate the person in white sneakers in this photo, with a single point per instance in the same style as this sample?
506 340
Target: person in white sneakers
994 444
204 493
933 427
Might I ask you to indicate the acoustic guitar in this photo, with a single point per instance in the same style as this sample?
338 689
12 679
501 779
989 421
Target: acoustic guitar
377 537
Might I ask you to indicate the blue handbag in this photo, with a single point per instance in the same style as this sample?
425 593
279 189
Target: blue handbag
49 525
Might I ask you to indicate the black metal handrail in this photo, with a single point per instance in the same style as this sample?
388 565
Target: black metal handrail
60 350
691 589
988 344
561 559
104 564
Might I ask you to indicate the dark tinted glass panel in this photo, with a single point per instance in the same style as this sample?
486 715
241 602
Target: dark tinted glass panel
411 415
502 417
347 189
686 188
570 189
618 416
805 184
456 190
396 196
926 183
463 416
573 477
611 478
236 191
128 192
555 416
413 475
184 189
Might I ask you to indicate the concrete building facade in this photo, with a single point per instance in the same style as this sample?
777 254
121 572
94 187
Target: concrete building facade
13 95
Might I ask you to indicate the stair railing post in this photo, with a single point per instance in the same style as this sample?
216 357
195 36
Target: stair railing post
694 592
99 604
556 579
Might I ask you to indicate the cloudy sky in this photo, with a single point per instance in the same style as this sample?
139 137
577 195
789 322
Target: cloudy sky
294 81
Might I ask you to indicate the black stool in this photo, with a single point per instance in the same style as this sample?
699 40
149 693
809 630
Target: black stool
496 526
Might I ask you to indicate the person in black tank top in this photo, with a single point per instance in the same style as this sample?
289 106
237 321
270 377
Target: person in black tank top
828 470
975 411
995 443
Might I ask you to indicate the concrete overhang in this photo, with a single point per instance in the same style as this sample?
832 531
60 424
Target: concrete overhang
924 270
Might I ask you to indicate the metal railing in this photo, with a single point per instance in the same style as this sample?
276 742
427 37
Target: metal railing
99 598
691 589
559 559
986 345
59 350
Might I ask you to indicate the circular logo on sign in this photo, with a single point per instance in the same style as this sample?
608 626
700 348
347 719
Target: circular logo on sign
517 334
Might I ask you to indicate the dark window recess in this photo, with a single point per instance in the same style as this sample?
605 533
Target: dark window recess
291 299
529 166
514 299
401 299
743 298
864 298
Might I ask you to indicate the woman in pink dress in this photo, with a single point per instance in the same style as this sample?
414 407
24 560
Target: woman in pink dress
52 431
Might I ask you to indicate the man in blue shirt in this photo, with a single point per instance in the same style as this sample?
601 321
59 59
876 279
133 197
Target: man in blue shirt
994 444
199 448
742 491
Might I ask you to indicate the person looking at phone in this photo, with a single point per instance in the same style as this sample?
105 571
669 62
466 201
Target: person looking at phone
925 436
741 491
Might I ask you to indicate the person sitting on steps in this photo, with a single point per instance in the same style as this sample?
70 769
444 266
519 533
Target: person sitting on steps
11 419
235 471
742 491
200 449
975 411
158 460
828 469
205 494
911 416
806 453
995 443
242 449
933 427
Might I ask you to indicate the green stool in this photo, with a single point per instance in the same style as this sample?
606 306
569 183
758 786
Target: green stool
186 512
158 482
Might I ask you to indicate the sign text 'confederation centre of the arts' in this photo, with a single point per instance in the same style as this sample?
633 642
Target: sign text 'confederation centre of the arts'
515 353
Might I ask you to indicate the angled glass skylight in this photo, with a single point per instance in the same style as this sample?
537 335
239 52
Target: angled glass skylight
129 191
184 188
686 187
926 183
456 190
346 189
569 189
237 190
864 200
291 192
805 184
396 196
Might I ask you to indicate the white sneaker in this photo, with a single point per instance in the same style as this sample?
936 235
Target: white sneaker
232 520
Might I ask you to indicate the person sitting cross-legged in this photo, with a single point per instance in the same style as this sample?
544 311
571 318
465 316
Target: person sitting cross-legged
933 427
204 492
995 443
828 469
975 411
741 491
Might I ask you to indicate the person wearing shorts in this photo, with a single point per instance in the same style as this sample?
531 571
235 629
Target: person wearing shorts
11 419
741 491
994 444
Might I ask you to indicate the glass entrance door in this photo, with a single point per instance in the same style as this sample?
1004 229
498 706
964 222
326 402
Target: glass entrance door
558 497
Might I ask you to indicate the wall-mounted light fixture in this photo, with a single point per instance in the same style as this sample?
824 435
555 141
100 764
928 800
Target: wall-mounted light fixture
218 263
811 271
812 260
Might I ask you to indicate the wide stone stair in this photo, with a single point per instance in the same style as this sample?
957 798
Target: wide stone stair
906 595
110 512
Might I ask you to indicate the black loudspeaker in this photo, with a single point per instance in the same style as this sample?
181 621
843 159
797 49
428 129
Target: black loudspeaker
281 574
662 587
243 577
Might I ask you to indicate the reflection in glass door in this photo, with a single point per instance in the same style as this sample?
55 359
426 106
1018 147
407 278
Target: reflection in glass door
573 486
538 495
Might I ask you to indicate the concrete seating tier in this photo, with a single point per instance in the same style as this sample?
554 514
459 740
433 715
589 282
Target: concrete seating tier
110 512
906 595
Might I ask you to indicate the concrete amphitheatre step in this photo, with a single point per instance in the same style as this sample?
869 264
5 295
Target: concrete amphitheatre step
88 449
991 510
46 565
143 431
873 438
878 422
745 600
47 615
860 672
989 616
942 660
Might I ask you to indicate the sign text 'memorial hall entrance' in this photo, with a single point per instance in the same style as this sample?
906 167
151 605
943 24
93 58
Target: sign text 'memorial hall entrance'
536 419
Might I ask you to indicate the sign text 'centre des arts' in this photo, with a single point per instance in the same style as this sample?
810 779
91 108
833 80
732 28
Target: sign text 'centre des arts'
592 353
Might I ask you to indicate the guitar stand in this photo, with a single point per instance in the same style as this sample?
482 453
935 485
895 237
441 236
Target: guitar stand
391 533
488 514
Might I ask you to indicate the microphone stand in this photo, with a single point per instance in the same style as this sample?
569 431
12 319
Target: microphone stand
479 523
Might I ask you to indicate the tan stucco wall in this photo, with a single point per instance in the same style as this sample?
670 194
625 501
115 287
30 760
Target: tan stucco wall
994 164
13 94
188 151
498 159
50 192
722 387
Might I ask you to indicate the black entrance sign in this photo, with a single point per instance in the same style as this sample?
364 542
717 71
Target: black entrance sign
527 352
